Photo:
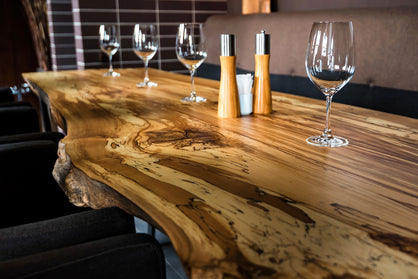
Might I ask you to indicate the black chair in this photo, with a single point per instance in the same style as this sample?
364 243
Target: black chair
93 244
16 117
6 95
29 192
15 138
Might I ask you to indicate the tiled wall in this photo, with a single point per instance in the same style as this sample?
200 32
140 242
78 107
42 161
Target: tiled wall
89 14
61 32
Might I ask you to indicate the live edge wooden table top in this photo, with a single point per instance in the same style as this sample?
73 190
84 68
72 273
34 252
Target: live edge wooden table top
244 197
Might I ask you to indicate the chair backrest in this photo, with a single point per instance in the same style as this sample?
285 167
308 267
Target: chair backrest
17 119
6 95
29 192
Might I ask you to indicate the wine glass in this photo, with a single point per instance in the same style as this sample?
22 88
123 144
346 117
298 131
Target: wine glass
145 45
191 51
330 64
109 44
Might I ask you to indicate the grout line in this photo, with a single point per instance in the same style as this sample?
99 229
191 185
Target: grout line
52 40
77 23
149 11
119 38
157 17
63 13
96 37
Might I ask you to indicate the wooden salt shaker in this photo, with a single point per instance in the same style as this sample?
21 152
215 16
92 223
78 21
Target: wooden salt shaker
228 102
262 90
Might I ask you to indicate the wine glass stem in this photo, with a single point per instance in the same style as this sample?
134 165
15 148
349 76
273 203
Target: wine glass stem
327 129
110 64
192 72
146 79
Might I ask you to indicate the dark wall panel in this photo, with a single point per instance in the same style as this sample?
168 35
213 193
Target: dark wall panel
166 14
17 54
61 33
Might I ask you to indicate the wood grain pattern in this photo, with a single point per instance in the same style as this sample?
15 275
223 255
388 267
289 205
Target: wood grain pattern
262 89
247 197
228 101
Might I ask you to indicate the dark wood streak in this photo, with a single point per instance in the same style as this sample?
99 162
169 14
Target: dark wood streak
184 138
411 206
344 276
341 209
406 245
225 180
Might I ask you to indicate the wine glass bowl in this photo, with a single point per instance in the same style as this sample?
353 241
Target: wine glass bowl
192 61
145 46
109 44
330 65
191 52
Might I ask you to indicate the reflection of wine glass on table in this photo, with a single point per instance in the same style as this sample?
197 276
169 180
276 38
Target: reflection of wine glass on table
191 51
145 45
109 44
330 64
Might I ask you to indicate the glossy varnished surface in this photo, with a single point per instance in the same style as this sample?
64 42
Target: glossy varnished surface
248 197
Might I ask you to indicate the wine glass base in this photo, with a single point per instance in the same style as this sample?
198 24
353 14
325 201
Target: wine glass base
328 142
147 84
193 99
111 74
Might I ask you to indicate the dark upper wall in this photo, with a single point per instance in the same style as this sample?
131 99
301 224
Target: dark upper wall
234 7
79 20
17 53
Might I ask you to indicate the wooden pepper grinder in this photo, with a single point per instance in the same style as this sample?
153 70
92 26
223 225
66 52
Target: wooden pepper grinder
228 102
262 90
